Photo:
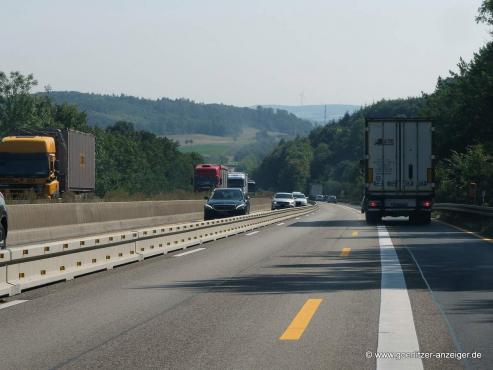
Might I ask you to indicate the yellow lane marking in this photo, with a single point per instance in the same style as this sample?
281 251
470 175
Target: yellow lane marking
355 233
345 252
301 320
489 240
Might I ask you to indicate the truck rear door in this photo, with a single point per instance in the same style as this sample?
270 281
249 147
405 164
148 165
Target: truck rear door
416 156
382 151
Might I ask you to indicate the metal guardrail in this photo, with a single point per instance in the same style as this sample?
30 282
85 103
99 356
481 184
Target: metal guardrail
464 208
33 265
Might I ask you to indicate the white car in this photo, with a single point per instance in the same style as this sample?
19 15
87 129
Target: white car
300 199
283 200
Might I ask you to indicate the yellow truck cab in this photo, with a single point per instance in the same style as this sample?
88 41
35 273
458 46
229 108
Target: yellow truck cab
28 162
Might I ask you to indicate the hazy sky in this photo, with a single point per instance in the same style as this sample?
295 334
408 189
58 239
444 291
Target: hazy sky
240 52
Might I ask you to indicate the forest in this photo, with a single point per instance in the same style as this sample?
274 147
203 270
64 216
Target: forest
180 116
461 108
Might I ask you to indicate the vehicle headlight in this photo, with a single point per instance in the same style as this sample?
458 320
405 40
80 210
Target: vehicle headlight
208 206
240 206
274 202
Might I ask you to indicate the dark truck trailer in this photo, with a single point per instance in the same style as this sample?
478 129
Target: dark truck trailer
399 169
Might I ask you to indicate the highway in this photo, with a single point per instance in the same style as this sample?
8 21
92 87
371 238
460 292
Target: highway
322 291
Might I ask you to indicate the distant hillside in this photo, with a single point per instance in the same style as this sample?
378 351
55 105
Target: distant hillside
181 116
316 113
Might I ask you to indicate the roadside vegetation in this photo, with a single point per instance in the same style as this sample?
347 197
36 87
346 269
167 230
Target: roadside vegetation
462 111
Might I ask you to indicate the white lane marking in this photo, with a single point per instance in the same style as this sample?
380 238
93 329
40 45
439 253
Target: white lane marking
396 331
189 252
297 218
12 303
252 233
282 223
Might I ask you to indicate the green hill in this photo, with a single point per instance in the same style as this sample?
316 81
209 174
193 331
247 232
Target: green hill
181 116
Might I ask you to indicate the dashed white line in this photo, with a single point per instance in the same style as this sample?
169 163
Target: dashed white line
282 223
252 233
189 252
12 303
297 218
396 331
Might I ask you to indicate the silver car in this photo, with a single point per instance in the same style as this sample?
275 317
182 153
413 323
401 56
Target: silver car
300 199
283 200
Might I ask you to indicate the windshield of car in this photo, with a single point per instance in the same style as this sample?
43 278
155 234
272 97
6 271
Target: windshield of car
283 196
24 165
227 194
298 195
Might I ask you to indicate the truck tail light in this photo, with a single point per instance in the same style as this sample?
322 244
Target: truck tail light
369 175
426 203
429 175
373 203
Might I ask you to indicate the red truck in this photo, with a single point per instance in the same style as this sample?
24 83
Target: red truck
210 176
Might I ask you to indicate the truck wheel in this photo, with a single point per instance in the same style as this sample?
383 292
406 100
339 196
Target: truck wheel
372 219
426 218
420 218
3 239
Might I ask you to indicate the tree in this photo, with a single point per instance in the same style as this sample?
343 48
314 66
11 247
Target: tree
17 106
456 173
485 12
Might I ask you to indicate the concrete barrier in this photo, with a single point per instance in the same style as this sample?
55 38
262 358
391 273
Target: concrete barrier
31 223
45 263
29 236
31 216
38 264
5 287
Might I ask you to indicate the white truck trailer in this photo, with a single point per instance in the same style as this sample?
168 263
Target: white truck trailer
238 180
399 171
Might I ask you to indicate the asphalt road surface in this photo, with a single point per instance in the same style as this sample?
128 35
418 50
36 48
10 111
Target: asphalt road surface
324 291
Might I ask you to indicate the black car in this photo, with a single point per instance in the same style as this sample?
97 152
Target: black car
3 223
226 202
